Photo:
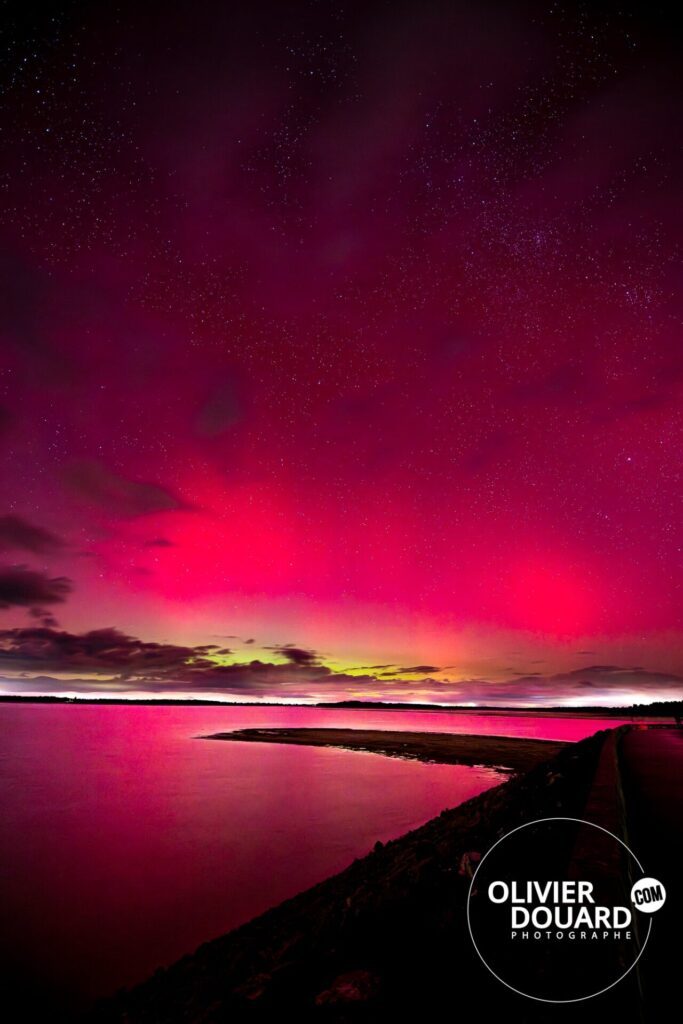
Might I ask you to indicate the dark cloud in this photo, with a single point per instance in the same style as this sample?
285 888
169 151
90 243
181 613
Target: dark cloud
296 655
21 587
133 664
158 542
99 651
413 670
220 411
264 678
95 484
110 661
19 534
44 617
608 683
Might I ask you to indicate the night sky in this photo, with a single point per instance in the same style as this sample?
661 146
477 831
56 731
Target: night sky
341 351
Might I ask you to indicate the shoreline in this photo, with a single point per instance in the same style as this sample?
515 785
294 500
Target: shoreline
503 753
634 715
386 939
342 950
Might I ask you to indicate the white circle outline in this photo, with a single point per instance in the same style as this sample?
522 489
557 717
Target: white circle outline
540 999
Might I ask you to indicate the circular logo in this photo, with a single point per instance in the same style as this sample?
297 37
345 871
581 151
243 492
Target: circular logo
551 909
648 895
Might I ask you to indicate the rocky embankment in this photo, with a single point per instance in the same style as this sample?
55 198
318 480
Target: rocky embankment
385 940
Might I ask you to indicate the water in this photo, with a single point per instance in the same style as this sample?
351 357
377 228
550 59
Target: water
127 841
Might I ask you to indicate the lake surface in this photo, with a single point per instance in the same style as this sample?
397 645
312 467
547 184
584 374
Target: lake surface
127 841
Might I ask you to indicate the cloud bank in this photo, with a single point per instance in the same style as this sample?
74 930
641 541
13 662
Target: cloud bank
42 658
21 587
20 535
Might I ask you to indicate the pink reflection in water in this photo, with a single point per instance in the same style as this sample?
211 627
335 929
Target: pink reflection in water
127 841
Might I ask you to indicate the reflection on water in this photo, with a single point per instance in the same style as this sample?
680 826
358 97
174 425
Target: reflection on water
126 841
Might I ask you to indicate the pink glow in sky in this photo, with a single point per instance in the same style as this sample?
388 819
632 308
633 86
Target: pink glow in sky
341 355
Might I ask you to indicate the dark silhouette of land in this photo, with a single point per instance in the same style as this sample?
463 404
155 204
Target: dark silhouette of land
501 752
665 709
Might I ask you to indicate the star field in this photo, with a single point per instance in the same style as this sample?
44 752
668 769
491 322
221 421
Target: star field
353 329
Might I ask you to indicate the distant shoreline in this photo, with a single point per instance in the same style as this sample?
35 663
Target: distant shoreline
659 709
504 753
